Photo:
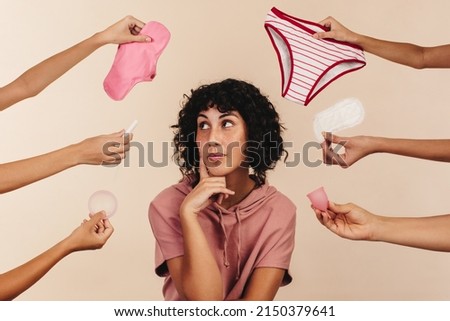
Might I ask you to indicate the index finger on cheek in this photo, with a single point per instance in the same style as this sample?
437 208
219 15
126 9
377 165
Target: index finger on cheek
203 171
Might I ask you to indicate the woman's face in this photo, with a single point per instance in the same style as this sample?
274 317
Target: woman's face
221 139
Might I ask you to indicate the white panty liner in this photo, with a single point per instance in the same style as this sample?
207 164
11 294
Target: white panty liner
344 114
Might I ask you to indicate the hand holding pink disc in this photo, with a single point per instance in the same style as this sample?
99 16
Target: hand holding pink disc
319 199
103 201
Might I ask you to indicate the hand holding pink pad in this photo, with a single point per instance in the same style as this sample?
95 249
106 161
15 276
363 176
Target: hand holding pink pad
136 61
319 199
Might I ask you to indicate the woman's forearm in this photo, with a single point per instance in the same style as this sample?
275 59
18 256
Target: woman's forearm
37 78
437 150
20 173
201 278
16 281
403 53
430 233
407 54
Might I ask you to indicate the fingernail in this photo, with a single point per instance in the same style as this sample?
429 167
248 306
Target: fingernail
148 39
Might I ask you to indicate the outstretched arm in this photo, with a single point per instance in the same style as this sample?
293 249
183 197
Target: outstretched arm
407 54
37 78
103 149
92 234
358 147
353 222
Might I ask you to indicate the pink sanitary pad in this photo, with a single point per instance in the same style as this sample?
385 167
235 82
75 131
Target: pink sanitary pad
136 61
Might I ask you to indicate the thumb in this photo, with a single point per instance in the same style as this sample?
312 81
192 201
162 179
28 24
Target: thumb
141 38
328 136
96 218
322 35
335 139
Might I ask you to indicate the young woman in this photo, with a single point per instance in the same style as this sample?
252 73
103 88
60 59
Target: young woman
223 233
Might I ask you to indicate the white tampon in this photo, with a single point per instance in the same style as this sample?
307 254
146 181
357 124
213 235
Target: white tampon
131 127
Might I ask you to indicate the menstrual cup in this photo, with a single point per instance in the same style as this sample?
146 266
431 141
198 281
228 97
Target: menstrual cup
103 201
319 199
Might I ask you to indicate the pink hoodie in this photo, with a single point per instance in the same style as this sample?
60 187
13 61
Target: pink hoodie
257 232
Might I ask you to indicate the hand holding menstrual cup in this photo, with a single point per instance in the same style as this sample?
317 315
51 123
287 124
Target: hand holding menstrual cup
319 199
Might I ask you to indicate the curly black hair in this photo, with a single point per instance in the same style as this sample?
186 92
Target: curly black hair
264 142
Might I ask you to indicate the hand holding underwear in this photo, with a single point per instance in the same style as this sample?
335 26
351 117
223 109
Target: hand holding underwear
316 63
336 31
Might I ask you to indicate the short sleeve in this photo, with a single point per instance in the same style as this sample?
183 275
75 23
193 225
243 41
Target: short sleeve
279 238
164 220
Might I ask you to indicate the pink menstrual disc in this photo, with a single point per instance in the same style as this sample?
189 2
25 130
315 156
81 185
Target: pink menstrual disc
319 199
102 201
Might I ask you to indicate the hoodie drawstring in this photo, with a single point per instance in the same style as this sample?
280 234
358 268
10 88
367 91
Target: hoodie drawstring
225 242
238 218
226 263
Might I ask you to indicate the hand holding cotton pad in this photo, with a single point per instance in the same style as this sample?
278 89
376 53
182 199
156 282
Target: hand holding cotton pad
344 114
319 199
136 61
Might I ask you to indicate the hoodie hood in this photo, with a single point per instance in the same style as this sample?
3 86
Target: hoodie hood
252 203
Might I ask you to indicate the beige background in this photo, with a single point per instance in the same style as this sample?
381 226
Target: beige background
212 40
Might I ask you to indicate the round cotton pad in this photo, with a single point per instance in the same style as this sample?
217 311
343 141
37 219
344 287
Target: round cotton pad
103 201
319 199
344 114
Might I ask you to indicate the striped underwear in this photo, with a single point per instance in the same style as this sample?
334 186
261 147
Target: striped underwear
308 65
